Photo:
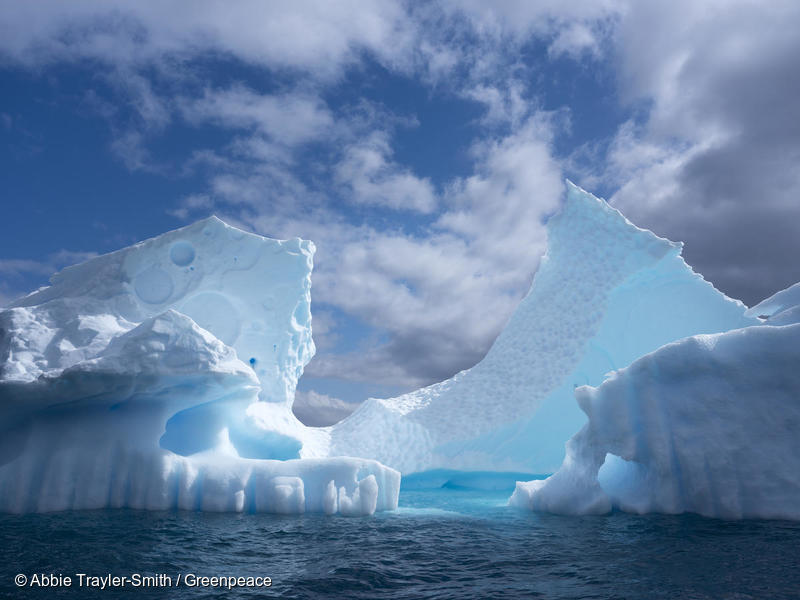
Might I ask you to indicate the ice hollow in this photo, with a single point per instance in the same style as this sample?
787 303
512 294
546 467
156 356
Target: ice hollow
605 293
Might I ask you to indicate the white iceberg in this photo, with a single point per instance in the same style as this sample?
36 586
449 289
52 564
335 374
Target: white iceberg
606 293
707 425
162 375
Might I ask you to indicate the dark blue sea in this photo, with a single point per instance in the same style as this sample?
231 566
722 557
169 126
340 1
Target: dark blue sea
439 544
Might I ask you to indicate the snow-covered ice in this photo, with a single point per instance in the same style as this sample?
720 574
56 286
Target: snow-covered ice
605 293
162 375
707 425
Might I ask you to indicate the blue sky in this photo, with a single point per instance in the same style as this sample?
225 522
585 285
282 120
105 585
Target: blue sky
420 146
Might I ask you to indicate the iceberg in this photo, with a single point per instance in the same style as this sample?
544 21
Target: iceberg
605 293
162 376
708 425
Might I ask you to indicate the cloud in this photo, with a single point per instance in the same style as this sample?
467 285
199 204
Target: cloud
320 410
707 152
289 119
20 274
130 147
16 267
369 176
522 19
438 298
713 162
435 298
152 54
313 37
506 104
573 41
192 203
13 267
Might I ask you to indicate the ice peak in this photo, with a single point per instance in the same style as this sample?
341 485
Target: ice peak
580 201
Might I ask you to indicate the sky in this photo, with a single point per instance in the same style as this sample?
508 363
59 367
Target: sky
421 146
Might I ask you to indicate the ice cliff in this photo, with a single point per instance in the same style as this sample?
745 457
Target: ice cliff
605 293
162 375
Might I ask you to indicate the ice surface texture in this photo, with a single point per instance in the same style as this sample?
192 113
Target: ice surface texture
162 375
708 425
605 293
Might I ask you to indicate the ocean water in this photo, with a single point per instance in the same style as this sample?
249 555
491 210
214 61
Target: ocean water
439 544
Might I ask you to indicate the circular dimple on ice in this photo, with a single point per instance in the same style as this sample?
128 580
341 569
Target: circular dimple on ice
181 253
214 312
153 285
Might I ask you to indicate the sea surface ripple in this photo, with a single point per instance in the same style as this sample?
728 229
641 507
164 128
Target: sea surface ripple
439 544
